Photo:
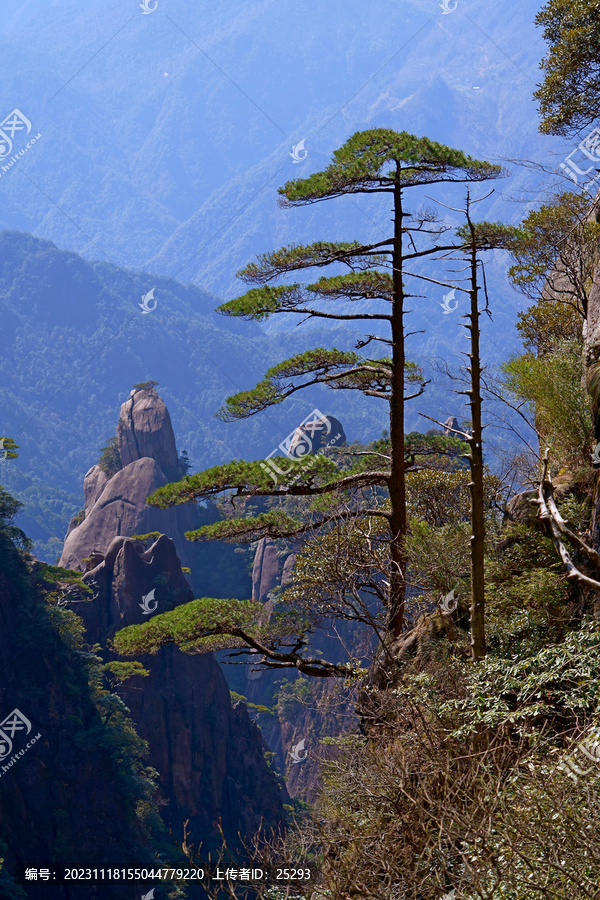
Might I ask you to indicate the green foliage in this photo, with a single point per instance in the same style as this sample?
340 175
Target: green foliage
528 603
110 459
562 237
569 96
333 368
257 707
558 684
546 325
260 303
202 626
184 462
9 507
552 384
489 235
370 160
438 558
145 385
293 697
322 364
246 478
437 496
121 671
275 523
55 661
8 448
369 285
148 538
287 259
78 518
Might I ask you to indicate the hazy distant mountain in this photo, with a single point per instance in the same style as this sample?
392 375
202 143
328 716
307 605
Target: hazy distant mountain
166 135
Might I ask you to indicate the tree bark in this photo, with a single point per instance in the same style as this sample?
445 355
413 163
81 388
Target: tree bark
592 382
397 481
478 645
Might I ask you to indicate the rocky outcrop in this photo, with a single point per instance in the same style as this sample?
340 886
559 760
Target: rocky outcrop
288 568
319 710
123 577
521 510
93 485
451 425
265 569
120 510
145 430
116 506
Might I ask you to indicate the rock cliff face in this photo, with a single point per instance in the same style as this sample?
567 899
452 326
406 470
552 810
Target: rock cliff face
209 755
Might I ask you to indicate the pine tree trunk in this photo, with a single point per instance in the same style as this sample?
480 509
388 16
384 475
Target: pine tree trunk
397 481
478 647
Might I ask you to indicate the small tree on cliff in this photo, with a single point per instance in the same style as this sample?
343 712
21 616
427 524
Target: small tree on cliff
373 162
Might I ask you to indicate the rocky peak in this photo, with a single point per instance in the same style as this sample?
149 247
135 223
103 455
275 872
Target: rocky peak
451 426
144 430
116 505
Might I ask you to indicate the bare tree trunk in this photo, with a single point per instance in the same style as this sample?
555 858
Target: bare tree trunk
478 647
592 381
397 480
